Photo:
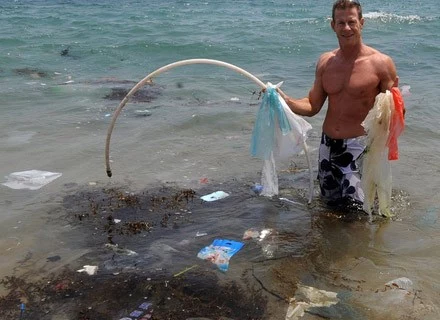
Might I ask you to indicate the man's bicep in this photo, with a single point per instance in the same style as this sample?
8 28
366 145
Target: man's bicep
389 77
317 95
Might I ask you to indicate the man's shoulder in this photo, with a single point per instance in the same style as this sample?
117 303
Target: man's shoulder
375 55
329 54
326 57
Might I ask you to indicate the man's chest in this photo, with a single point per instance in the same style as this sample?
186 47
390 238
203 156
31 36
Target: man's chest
358 79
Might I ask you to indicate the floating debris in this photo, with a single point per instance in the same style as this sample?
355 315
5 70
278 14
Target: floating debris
90 270
215 196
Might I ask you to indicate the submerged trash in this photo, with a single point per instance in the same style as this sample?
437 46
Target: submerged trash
53 258
401 283
203 180
31 179
257 188
185 270
309 297
264 233
119 250
22 310
405 90
268 244
251 233
215 196
90 270
142 113
290 201
220 251
144 310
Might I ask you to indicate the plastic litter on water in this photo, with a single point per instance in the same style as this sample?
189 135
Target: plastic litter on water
405 90
264 233
401 283
143 312
266 238
290 201
215 196
185 270
30 179
120 250
142 113
22 310
136 313
220 251
309 297
257 188
90 270
251 233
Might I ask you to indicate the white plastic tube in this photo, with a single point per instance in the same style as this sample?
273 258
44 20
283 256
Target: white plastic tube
169 67
156 73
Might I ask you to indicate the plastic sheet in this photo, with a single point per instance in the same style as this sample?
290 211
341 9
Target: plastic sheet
31 179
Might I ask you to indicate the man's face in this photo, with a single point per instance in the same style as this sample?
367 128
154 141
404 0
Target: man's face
347 25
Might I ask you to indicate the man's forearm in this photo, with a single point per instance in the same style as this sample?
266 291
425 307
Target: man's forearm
300 107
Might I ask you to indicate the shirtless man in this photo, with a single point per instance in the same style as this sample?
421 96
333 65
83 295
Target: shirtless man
350 77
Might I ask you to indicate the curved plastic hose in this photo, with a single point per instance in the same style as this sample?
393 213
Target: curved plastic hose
169 67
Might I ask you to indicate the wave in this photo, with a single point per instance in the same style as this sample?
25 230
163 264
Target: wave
391 17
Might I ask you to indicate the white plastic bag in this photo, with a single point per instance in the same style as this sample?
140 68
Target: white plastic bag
376 169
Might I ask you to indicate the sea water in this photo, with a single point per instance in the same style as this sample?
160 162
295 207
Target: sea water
60 61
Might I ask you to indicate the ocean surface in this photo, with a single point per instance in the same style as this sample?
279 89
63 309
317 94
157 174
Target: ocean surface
65 66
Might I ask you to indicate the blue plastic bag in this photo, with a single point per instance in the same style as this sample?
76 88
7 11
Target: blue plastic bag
220 251
270 115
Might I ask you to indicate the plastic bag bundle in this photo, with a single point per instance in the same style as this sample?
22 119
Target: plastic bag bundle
376 169
278 133
383 125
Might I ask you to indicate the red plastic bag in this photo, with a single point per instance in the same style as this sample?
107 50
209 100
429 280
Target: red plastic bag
397 124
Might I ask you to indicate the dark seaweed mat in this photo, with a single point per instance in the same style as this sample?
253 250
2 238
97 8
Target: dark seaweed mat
196 293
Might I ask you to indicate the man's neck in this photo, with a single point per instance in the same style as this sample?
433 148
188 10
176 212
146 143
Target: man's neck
350 52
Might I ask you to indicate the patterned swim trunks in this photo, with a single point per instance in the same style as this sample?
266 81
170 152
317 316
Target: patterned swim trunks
339 171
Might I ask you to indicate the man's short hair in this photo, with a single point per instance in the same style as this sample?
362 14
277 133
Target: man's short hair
347 4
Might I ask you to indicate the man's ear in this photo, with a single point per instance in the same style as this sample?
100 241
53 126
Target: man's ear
332 24
396 82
